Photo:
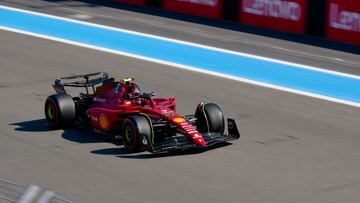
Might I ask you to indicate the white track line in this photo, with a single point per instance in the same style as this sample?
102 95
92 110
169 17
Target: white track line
184 67
197 69
29 194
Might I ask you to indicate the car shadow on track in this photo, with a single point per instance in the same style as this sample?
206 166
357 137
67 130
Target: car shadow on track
80 137
87 136
39 125
122 153
71 134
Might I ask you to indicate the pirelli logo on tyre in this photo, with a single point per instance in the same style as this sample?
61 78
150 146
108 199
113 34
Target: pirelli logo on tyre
286 15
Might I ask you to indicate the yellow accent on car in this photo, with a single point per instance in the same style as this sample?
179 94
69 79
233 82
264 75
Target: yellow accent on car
127 80
206 119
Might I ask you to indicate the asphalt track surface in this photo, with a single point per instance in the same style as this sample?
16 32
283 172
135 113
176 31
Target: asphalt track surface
293 148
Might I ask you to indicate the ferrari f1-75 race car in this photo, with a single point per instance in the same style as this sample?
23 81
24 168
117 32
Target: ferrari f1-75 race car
120 110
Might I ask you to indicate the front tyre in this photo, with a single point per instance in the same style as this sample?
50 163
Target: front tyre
59 110
134 130
209 118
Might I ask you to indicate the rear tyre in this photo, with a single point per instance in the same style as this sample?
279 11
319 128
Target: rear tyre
209 118
136 132
60 110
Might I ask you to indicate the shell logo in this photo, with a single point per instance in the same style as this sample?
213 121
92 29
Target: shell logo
103 122
178 120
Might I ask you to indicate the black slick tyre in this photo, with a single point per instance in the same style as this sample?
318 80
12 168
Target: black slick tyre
134 129
60 111
209 118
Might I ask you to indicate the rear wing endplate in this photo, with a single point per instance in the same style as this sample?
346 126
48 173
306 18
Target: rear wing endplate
84 80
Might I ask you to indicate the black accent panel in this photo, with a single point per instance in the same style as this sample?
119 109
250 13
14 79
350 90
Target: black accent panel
315 20
230 10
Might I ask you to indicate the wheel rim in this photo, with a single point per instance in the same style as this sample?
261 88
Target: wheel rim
128 134
50 111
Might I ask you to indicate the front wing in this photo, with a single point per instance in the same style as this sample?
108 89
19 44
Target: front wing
181 142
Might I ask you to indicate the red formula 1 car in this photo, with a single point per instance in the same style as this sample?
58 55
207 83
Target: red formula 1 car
120 110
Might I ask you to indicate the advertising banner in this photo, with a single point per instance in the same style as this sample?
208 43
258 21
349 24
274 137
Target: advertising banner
207 8
285 15
343 20
138 2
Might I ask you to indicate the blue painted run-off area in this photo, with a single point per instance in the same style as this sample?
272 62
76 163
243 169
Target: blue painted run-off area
326 84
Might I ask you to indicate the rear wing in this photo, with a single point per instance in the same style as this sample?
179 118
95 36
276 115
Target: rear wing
85 80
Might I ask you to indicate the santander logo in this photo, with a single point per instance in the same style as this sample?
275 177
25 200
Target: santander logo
273 8
344 20
212 3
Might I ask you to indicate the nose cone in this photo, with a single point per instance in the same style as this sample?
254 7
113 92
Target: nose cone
200 141
189 130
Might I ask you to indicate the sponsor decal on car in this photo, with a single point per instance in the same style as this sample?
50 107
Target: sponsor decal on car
103 121
93 118
179 120
97 99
